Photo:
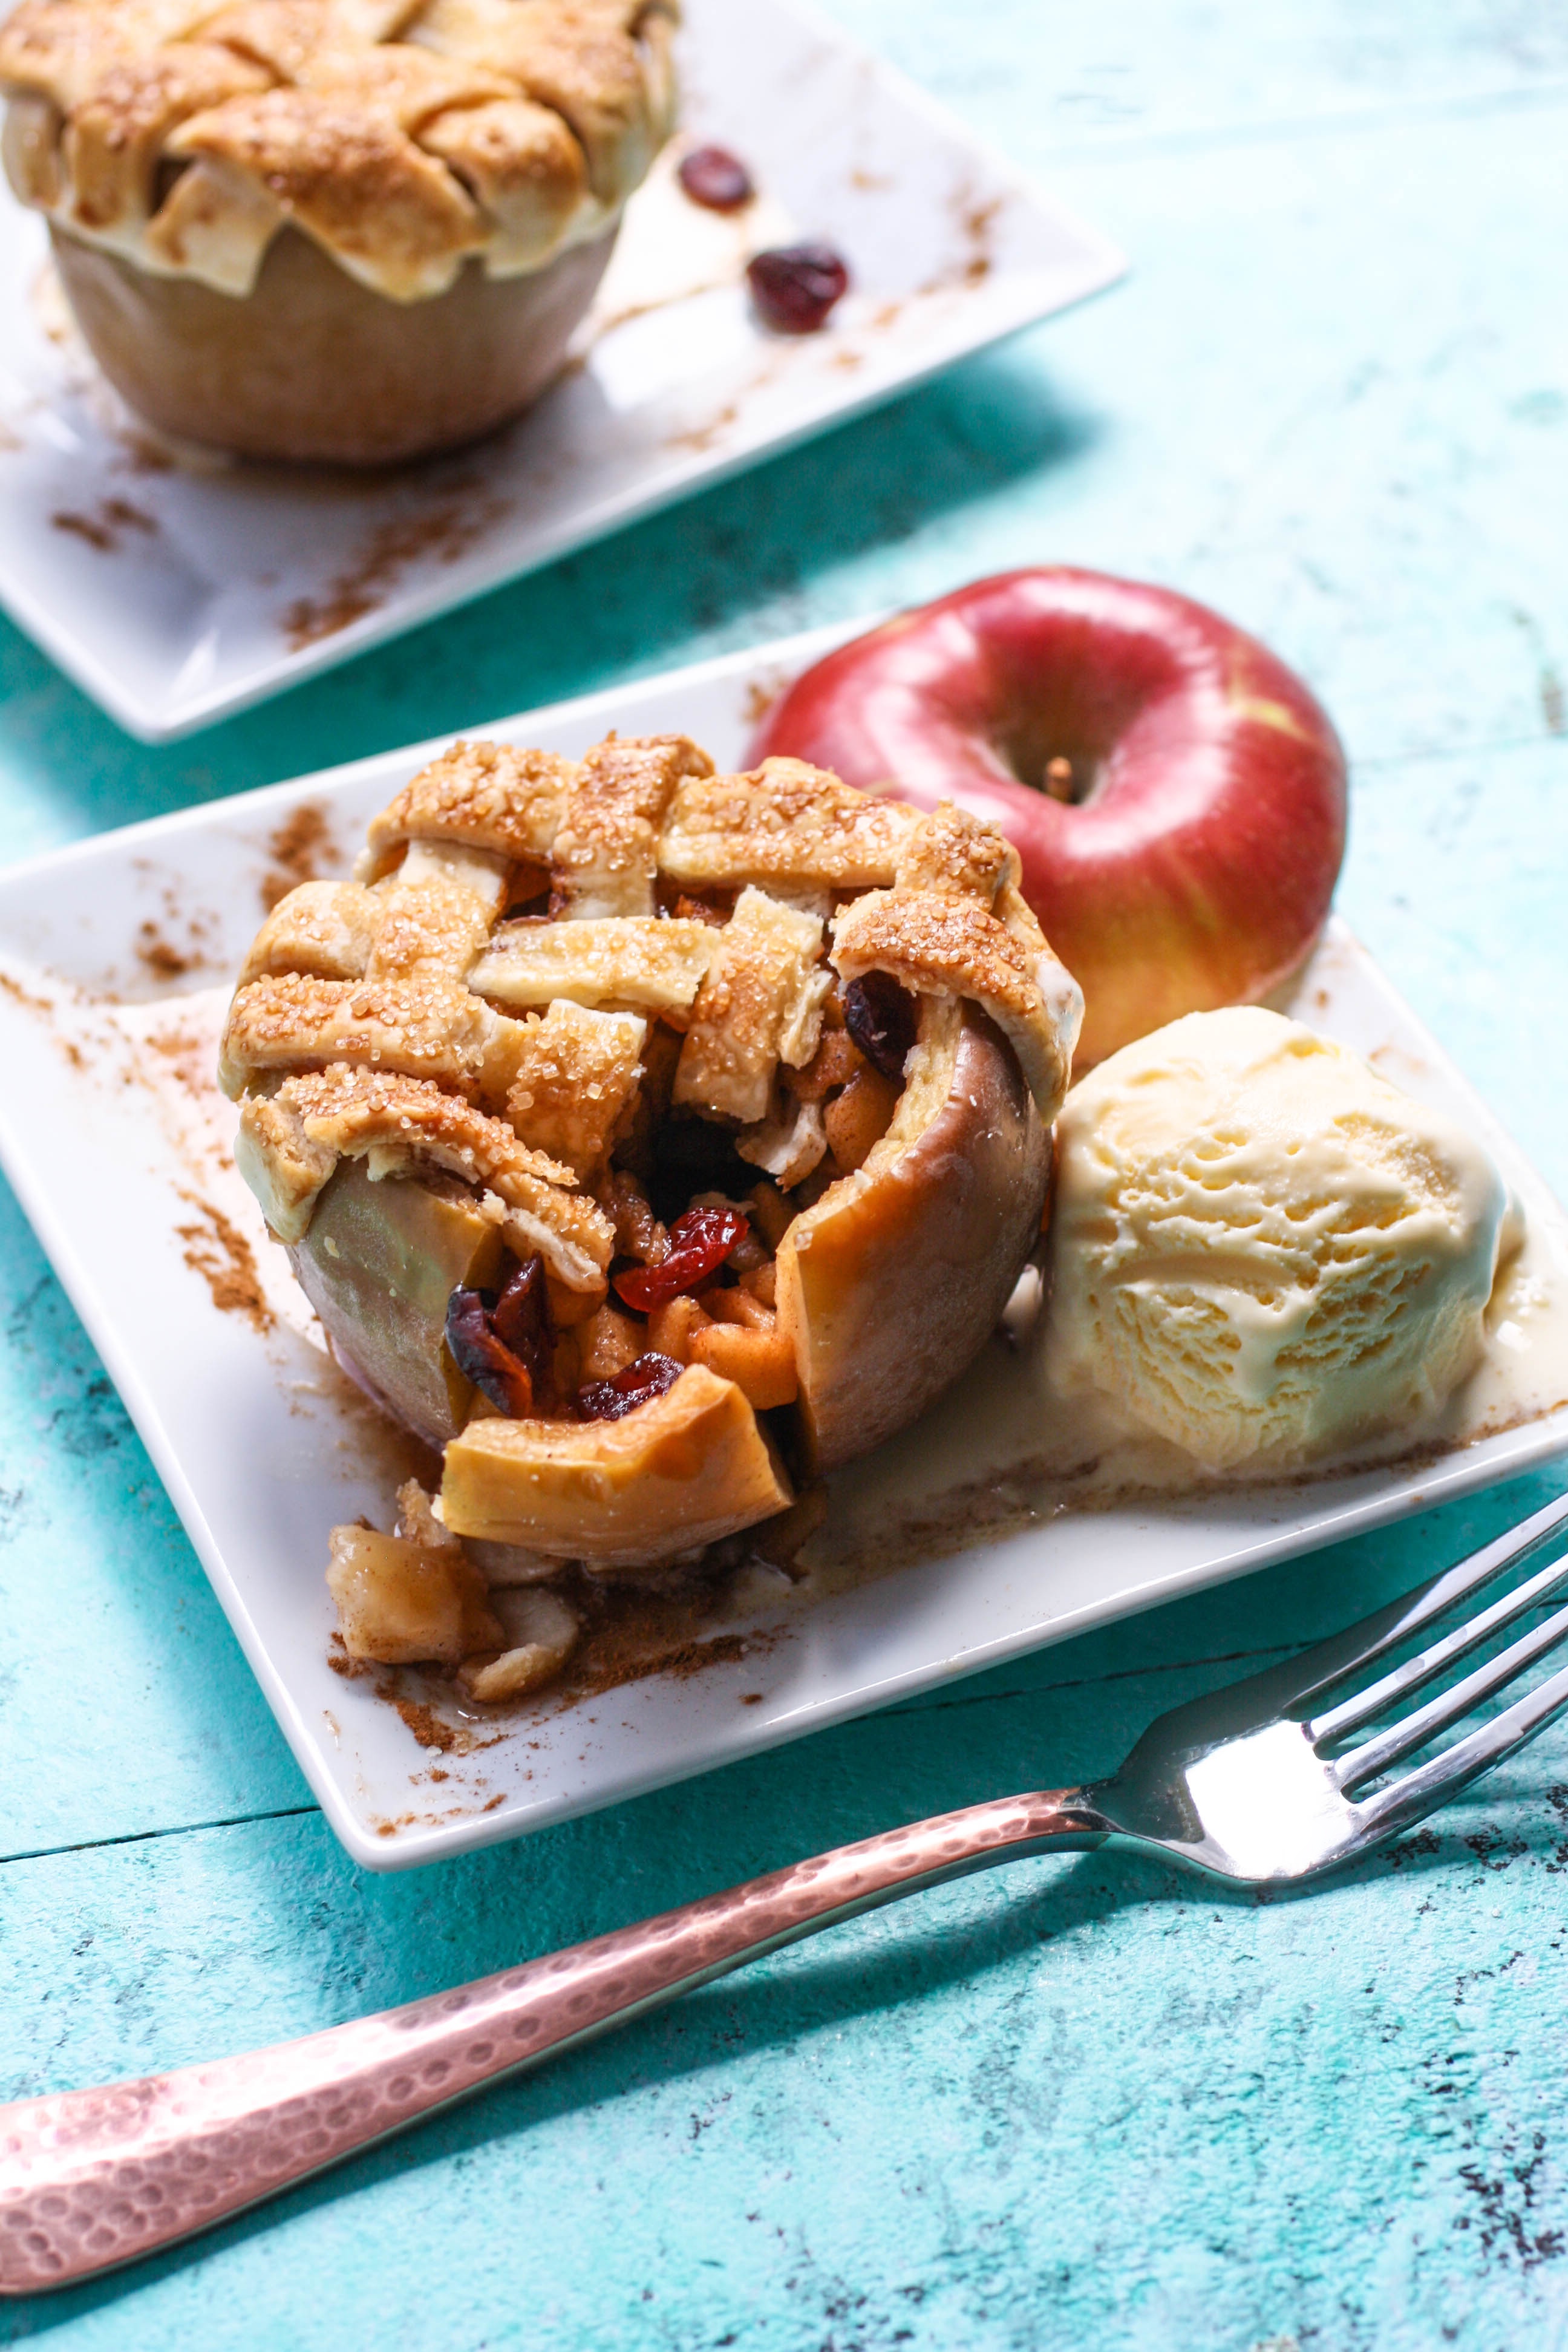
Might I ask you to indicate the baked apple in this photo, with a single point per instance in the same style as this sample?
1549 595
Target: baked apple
648 1139
1176 796
305 229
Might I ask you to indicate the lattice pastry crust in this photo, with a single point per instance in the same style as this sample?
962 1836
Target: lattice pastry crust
403 136
543 971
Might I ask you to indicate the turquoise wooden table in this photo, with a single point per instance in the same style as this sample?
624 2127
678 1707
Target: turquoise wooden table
1083 2103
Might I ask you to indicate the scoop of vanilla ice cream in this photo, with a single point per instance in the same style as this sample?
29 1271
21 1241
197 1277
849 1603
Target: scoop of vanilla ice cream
1261 1250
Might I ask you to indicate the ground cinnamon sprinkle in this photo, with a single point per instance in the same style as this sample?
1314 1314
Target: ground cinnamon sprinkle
762 696
685 1659
164 961
220 1253
301 846
444 532
630 1634
979 222
190 1059
25 997
426 1726
105 529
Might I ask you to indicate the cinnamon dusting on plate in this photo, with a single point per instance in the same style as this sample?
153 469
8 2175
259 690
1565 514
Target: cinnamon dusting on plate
190 1059
633 1631
701 437
400 1689
300 849
180 941
681 1662
975 218
105 528
762 696
427 1726
220 1253
443 532
25 997
978 222
161 959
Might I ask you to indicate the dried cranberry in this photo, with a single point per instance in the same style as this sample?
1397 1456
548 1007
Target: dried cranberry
522 1321
483 1358
880 1017
717 180
651 1376
700 1242
795 285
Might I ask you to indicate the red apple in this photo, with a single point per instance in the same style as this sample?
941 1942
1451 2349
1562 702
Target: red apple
1176 795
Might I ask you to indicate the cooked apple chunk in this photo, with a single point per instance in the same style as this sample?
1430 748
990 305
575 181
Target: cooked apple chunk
542 1632
675 1474
408 1604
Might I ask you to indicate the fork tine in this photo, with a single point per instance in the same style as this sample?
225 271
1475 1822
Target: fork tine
1289 1688
1433 1783
1363 1705
1331 1661
1375 1756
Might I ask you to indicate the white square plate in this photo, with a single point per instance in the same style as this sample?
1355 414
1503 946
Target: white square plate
174 593
117 1142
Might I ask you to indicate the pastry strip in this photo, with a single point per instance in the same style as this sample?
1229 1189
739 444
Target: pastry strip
949 946
787 824
760 1004
656 967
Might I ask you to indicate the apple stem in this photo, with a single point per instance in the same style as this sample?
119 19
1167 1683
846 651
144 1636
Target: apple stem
1059 779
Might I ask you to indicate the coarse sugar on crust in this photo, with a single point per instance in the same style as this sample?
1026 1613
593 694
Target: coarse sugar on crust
117 136
323 929
760 1004
606 857
786 822
435 925
485 795
956 856
422 1025
576 1076
351 179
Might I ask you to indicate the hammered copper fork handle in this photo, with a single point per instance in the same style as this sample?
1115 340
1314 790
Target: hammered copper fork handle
89 2179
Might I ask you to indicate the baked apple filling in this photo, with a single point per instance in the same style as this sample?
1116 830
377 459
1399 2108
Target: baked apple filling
647 1140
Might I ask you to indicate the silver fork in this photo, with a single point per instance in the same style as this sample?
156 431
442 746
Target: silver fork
1253 1784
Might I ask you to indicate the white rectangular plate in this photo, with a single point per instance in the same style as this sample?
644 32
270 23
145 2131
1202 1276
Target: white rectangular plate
120 1157
176 593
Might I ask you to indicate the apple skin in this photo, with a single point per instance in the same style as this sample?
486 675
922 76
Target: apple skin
1196 864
